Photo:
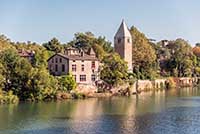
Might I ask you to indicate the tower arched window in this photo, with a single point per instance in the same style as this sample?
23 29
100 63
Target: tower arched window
82 54
119 40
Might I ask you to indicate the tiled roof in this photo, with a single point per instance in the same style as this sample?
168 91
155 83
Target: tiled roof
25 53
75 57
81 55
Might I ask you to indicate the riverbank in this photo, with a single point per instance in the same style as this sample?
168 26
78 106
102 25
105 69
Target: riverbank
92 91
165 83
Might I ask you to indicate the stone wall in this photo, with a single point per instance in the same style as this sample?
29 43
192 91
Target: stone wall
186 81
144 85
86 88
140 85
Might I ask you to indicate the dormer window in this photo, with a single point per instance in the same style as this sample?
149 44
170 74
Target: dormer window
82 54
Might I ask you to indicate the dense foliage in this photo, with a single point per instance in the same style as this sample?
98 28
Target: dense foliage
177 59
30 80
67 83
88 40
144 56
25 79
114 70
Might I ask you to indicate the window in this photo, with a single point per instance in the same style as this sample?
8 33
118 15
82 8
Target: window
119 40
93 64
52 60
82 54
60 60
74 61
74 77
56 68
82 77
82 60
74 68
82 67
63 67
128 40
93 77
56 60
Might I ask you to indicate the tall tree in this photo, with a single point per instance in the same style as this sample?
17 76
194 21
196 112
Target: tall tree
181 60
87 40
53 45
144 56
114 70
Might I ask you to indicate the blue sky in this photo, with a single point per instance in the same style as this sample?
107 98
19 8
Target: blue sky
40 20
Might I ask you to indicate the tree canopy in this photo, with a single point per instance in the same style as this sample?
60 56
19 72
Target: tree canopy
32 81
114 70
144 56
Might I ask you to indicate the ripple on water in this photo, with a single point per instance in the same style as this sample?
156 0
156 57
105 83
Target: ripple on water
166 115
178 120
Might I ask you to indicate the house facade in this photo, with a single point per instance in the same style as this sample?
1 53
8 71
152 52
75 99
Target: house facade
84 66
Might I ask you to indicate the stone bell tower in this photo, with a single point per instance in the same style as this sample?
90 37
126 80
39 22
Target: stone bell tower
123 44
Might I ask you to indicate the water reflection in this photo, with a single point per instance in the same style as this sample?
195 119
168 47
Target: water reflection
172 111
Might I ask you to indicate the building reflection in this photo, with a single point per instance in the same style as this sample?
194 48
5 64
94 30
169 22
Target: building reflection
147 112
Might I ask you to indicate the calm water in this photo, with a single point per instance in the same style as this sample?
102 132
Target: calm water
161 112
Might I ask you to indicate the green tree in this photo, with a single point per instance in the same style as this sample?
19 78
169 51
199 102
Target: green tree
2 79
41 53
87 40
8 59
66 83
16 73
42 84
114 70
144 56
53 45
20 78
182 58
5 43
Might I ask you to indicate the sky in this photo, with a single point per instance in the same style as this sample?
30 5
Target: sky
40 20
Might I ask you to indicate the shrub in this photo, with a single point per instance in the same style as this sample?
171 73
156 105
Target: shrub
8 97
76 95
66 83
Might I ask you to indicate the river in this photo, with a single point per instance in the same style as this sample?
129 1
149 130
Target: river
160 112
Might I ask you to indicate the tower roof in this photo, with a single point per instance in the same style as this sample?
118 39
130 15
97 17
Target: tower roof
123 30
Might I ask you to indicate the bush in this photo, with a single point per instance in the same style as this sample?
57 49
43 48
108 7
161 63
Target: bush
8 97
66 83
76 95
